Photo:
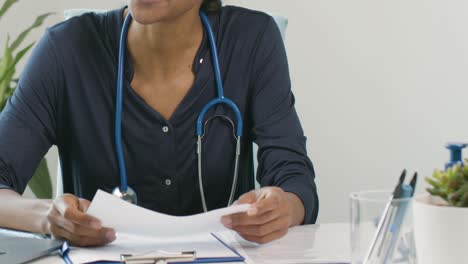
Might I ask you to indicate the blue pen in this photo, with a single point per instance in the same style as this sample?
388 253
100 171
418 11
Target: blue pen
406 192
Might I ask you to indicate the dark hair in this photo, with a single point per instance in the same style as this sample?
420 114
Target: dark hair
211 5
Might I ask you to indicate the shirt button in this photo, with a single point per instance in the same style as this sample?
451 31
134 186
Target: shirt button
165 129
168 182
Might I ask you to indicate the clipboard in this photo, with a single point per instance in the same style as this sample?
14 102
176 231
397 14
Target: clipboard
174 257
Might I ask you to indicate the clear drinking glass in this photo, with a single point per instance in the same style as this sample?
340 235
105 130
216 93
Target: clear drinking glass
366 210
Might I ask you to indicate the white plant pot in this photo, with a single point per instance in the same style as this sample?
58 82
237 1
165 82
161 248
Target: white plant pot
441 232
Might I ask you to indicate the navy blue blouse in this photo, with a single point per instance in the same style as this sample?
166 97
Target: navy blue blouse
66 97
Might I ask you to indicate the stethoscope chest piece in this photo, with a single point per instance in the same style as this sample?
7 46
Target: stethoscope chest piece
128 196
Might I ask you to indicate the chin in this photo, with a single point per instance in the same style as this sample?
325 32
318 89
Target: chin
148 12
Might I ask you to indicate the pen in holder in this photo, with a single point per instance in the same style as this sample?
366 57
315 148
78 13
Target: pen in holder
381 230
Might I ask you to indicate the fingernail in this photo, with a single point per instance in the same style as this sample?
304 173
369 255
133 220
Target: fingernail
227 222
252 211
110 235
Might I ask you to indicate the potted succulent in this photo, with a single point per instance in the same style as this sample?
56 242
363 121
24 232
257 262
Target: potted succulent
13 53
441 217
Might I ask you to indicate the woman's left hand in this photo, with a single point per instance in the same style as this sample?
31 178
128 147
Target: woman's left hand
273 211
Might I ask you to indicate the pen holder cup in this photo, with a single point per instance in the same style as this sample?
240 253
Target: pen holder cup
367 209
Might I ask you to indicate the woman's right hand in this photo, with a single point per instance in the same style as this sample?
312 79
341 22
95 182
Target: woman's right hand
67 220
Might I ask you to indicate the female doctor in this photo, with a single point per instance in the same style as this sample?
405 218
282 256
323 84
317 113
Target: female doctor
126 95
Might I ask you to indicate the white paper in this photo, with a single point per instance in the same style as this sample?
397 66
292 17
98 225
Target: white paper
128 218
206 246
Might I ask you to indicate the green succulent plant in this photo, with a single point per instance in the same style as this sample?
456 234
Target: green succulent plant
451 185
13 52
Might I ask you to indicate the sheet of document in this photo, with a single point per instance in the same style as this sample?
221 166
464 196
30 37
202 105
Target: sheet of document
127 218
206 246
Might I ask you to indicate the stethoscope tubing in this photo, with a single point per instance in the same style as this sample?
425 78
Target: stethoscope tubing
118 105
219 83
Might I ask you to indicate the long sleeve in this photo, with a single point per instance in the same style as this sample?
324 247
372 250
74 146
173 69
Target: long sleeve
282 155
28 122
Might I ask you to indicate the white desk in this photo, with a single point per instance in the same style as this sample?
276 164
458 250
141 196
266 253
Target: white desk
324 243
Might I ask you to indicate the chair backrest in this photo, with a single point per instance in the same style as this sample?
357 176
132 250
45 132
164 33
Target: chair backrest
281 21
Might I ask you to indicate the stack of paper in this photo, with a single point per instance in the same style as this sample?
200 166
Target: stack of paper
141 231
128 218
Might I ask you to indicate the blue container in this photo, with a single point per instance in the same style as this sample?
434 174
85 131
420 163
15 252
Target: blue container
455 154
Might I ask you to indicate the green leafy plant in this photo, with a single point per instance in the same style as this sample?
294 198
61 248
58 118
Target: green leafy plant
451 185
13 52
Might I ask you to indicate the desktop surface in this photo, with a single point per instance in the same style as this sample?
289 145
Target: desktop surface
321 243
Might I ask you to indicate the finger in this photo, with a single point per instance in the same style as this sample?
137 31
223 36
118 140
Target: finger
264 229
69 207
65 201
56 219
84 205
104 234
81 230
268 238
247 198
59 232
245 220
73 214
269 203
78 240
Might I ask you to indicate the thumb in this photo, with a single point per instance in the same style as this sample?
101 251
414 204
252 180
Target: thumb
69 206
84 205
66 202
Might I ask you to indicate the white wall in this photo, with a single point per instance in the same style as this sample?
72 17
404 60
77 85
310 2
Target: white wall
380 85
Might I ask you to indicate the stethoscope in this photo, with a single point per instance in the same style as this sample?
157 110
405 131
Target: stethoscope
124 191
